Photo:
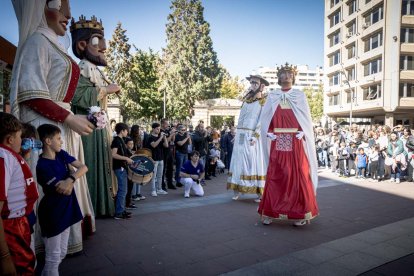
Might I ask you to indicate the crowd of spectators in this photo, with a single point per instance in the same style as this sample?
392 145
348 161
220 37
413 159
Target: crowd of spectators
376 152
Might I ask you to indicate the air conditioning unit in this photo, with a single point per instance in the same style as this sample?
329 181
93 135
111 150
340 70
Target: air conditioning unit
366 25
348 35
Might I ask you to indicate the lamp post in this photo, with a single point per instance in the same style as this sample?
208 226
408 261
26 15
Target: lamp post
164 103
351 91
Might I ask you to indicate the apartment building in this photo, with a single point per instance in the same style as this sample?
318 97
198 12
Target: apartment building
369 60
306 77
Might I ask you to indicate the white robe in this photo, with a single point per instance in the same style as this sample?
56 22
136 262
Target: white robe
300 107
247 169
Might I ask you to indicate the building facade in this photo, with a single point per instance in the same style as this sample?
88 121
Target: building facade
306 77
369 60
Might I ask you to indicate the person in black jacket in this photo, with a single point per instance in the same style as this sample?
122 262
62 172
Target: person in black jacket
200 144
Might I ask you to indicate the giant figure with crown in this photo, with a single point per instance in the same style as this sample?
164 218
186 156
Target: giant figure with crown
43 84
289 147
88 44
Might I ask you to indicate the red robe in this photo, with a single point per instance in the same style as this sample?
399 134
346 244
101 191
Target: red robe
288 192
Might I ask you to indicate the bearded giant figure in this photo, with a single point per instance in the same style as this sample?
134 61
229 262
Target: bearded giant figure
88 44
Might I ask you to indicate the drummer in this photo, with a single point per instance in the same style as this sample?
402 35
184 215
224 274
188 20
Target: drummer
192 173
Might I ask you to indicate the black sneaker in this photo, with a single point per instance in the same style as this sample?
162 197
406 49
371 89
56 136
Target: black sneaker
124 215
131 206
179 185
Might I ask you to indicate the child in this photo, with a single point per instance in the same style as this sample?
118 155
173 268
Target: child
119 165
59 208
343 156
17 186
361 162
373 159
130 146
214 157
333 154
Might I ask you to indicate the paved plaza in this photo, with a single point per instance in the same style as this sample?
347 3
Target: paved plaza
364 228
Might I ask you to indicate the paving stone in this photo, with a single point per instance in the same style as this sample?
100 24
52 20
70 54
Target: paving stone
387 251
358 262
326 269
317 255
346 245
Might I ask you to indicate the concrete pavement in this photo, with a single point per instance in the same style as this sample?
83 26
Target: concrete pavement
363 227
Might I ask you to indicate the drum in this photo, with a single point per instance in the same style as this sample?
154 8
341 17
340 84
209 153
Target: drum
141 170
144 151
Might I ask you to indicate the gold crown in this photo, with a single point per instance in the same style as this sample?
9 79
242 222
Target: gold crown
287 68
86 24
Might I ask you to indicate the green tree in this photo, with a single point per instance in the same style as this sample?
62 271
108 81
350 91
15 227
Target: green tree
144 100
189 68
230 88
118 69
315 101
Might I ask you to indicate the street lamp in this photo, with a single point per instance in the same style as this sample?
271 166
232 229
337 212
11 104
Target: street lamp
351 91
164 103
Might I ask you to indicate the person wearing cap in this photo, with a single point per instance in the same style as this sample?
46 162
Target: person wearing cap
247 168
288 138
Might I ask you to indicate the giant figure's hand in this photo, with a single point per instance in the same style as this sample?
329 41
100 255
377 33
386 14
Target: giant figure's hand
271 136
300 135
113 88
79 124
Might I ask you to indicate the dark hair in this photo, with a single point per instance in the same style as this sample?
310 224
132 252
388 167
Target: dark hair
155 125
47 131
191 154
29 131
163 120
83 34
9 125
127 139
120 127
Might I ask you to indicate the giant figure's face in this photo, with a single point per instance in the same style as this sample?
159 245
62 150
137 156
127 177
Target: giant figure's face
57 14
95 50
286 79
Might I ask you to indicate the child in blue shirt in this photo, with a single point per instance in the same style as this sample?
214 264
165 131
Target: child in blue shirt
59 208
361 162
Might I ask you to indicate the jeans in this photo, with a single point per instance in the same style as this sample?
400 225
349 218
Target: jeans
122 178
323 158
180 158
156 180
395 173
361 172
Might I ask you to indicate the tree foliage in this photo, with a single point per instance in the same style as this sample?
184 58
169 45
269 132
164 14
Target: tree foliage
119 59
189 67
315 101
230 88
144 100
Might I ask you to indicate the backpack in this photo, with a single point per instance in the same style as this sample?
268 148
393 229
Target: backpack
410 143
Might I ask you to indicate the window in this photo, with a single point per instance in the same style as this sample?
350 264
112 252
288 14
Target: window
334 2
407 35
407 62
373 42
374 16
406 90
407 7
350 73
334 79
333 100
335 18
372 92
351 51
352 7
334 39
373 67
351 28
335 58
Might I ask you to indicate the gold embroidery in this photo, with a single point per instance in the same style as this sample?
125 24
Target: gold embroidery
253 177
285 105
283 216
244 189
257 135
308 215
285 130
31 94
262 100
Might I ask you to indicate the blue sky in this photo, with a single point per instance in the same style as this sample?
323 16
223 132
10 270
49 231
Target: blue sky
246 34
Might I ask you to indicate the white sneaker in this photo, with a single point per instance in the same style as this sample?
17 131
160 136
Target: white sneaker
162 192
301 222
186 196
266 221
236 196
392 179
397 180
257 200
154 193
